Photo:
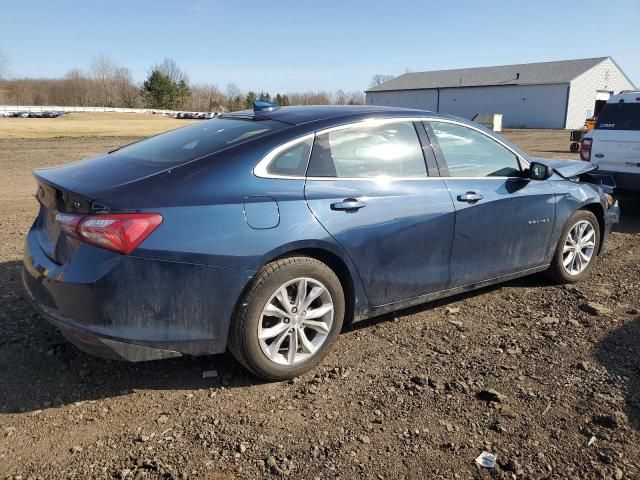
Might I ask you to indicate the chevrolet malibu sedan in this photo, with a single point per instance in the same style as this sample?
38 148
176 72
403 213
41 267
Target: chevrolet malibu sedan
263 232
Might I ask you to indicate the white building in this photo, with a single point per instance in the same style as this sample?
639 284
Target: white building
532 95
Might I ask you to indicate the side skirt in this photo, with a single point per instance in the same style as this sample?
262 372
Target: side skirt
430 297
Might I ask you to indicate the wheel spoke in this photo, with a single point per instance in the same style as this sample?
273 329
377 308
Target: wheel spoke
277 343
301 294
274 311
283 298
274 331
319 312
577 263
567 248
313 294
293 346
584 259
588 236
569 260
305 342
318 326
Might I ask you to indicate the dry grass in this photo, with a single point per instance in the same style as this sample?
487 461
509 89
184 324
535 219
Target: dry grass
89 125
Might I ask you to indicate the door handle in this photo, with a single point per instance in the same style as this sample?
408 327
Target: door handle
599 155
470 197
348 204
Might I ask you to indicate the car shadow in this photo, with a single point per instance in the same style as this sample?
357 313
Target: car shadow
618 353
39 369
629 215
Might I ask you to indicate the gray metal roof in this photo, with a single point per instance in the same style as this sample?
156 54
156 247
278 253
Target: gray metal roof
524 74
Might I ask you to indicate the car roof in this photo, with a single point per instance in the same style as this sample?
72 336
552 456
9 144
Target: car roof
298 115
626 97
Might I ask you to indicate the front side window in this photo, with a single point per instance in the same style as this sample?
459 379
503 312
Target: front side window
368 151
469 153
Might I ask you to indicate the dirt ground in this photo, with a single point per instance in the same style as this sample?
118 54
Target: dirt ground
546 377
100 124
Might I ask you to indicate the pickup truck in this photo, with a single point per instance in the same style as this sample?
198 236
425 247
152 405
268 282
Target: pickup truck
614 144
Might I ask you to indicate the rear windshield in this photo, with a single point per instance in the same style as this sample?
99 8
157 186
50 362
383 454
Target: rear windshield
619 116
195 141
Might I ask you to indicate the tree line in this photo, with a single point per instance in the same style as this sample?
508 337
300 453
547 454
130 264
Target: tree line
167 86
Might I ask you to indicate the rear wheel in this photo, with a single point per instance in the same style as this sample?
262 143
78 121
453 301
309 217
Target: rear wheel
577 248
288 319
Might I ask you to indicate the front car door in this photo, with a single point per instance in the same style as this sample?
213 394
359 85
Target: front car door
368 185
504 220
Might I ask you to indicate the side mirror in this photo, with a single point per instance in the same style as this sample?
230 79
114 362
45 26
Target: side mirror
538 171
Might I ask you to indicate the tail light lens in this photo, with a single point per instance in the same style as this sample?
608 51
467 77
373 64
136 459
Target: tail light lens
585 149
120 232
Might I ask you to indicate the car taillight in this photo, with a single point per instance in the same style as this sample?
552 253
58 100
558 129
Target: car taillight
585 149
120 232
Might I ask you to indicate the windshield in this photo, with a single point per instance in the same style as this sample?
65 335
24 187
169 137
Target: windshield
195 141
619 116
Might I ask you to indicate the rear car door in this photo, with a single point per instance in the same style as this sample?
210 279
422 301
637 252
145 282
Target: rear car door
504 220
367 184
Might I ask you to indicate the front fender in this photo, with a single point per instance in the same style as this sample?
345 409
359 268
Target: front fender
571 197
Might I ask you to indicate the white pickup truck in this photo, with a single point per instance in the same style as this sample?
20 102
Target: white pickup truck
614 143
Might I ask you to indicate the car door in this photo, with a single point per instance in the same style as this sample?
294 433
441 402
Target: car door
503 220
368 186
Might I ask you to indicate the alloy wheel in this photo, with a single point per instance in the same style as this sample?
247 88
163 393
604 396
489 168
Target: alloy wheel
296 321
579 247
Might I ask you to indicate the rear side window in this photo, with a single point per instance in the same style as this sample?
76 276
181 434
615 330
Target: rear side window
469 153
364 151
195 141
291 162
619 116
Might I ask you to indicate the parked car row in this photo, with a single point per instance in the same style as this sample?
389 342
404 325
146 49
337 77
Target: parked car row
48 114
195 115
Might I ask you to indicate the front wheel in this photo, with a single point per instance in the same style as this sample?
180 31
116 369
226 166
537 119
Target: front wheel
288 319
577 248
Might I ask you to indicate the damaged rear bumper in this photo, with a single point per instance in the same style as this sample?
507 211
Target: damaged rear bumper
130 308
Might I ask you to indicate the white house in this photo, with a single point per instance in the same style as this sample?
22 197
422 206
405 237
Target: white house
558 94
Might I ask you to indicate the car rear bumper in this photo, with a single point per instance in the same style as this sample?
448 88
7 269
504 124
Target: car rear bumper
130 308
625 181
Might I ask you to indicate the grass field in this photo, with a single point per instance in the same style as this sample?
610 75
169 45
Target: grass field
89 125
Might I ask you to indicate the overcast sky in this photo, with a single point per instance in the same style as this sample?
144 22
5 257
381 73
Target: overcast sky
290 45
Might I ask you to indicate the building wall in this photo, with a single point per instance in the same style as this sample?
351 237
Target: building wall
605 76
421 99
522 106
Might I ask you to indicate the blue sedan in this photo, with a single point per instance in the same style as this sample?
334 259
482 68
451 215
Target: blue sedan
263 232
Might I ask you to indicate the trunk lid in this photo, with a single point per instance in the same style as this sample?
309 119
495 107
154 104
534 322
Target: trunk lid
75 188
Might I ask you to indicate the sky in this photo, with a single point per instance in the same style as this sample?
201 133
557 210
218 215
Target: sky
293 45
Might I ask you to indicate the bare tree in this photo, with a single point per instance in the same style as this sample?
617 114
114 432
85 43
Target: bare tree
4 64
104 70
379 79
340 98
126 91
170 68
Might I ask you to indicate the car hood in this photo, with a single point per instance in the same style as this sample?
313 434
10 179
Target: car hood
566 168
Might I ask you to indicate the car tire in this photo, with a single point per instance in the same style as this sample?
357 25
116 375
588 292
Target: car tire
302 347
558 271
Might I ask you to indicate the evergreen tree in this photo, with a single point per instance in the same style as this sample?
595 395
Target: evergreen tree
158 90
